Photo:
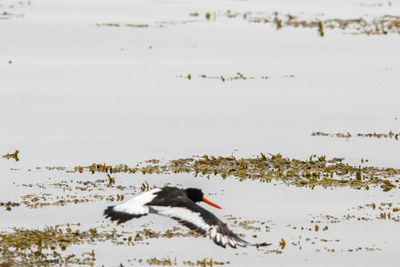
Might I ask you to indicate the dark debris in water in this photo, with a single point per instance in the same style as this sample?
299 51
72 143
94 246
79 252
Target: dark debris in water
380 211
12 155
11 9
72 192
206 262
237 76
9 205
118 24
390 135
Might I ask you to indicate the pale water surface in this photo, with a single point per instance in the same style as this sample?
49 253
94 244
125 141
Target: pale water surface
76 93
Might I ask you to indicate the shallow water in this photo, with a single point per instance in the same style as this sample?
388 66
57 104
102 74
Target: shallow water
75 93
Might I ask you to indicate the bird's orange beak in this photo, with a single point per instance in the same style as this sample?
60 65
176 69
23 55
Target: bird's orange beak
211 203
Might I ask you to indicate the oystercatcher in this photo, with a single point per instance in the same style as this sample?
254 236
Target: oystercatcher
181 206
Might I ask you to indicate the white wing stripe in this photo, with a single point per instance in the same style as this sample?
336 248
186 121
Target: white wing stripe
213 232
232 242
136 205
183 214
218 239
224 240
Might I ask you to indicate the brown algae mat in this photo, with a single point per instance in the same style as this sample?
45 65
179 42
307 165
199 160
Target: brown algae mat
316 171
50 246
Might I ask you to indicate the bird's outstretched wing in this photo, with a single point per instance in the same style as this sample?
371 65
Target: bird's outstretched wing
196 218
133 208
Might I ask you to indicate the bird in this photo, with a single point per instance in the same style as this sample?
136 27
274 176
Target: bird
180 205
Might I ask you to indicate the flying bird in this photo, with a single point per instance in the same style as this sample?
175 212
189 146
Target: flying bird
181 206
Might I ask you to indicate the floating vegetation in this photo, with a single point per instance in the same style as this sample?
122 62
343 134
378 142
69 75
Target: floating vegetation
7 10
367 249
118 24
368 24
48 247
72 193
33 247
12 156
384 211
381 211
237 76
8 205
362 25
205 262
46 200
347 135
151 168
316 171
163 262
282 244
252 225
157 24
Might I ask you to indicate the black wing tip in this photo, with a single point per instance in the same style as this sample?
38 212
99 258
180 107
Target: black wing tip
190 225
231 241
238 242
108 211
118 216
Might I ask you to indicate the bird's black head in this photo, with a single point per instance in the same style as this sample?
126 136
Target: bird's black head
197 195
194 194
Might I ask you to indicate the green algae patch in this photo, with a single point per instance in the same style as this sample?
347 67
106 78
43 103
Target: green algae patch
12 155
